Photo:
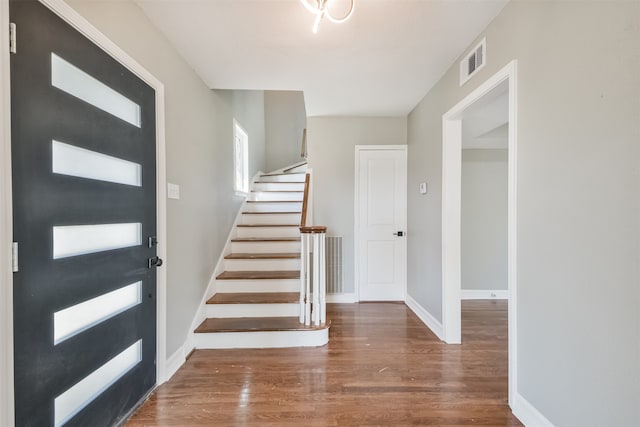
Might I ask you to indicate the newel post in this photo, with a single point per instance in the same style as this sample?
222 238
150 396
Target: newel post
313 285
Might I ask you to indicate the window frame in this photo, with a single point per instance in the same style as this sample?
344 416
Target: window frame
240 165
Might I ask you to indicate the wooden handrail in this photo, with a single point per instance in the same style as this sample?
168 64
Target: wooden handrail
305 201
313 229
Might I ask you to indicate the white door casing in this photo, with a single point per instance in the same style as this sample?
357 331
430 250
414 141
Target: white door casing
451 214
6 325
380 213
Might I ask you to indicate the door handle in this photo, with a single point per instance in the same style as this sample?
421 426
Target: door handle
399 233
154 262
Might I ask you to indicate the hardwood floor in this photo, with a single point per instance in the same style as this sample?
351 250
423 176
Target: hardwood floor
382 366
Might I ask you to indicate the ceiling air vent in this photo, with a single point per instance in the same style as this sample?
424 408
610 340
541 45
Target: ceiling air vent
473 62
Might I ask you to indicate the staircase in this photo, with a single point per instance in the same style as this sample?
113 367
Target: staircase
257 297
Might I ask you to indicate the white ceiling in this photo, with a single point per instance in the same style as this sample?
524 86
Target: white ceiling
379 63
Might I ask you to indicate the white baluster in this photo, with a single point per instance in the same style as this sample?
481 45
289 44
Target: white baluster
304 259
307 305
322 266
316 279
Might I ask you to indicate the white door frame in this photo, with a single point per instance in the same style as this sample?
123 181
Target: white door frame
356 212
451 214
6 230
72 17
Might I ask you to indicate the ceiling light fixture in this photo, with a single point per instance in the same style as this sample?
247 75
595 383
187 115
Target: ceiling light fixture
320 8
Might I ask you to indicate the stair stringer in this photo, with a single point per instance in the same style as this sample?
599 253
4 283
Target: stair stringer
201 312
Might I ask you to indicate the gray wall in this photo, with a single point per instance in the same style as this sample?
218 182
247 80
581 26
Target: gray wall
285 117
331 146
199 135
578 203
484 219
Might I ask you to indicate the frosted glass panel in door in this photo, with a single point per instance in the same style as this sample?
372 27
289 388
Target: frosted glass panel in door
84 392
75 319
75 240
76 82
75 161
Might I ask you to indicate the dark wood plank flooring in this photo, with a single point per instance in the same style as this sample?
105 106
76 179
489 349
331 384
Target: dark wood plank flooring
382 367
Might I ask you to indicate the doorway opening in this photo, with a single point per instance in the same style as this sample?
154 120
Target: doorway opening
502 84
484 288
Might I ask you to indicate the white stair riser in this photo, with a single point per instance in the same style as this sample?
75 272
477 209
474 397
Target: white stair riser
264 247
276 219
244 286
290 177
278 186
265 196
274 207
245 232
267 339
261 264
253 310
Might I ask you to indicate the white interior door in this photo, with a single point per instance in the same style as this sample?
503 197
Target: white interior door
381 217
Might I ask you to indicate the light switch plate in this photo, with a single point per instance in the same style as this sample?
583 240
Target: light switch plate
423 188
173 191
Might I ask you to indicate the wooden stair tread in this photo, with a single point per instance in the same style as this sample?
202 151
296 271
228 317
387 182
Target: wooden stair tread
255 298
277 191
290 168
268 225
274 201
266 239
282 255
283 173
278 182
254 324
251 275
272 213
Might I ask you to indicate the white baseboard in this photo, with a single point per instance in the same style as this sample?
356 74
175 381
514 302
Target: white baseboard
174 362
341 298
488 294
177 359
189 345
527 413
426 317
